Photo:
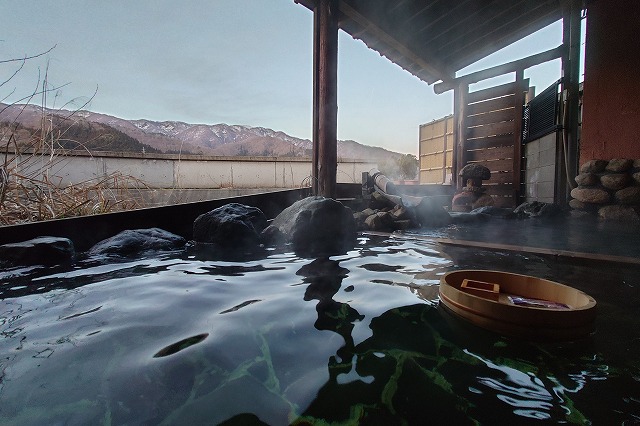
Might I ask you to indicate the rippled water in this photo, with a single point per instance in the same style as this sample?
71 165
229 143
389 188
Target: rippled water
358 338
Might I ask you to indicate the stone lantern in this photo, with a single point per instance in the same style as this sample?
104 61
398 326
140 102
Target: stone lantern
472 194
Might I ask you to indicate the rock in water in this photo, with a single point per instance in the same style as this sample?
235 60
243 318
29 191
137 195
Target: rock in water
47 251
536 209
619 213
235 226
429 213
135 241
314 226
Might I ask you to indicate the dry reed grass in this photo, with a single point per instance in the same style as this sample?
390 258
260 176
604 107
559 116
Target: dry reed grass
30 185
31 193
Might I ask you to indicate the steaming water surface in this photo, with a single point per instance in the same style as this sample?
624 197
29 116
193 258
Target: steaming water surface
354 338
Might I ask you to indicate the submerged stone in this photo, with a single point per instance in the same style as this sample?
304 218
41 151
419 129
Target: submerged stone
619 213
47 251
134 241
629 195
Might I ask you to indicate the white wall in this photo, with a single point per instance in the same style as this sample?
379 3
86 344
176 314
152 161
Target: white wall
173 171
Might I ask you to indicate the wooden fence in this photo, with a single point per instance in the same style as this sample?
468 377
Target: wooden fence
436 151
492 121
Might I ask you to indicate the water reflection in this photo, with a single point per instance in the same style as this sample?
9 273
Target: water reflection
292 340
419 367
324 277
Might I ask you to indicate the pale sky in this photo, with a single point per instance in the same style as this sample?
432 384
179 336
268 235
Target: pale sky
222 61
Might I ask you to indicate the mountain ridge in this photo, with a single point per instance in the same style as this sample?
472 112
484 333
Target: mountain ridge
179 137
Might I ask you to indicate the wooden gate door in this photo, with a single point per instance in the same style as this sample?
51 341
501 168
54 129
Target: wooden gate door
491 122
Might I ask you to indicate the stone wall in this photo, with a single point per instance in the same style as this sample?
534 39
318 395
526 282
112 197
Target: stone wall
609 188
540 170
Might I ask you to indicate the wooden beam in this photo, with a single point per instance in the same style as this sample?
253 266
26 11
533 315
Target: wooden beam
570 75
512 66
567 254
522 86
316 119
326 15
460 126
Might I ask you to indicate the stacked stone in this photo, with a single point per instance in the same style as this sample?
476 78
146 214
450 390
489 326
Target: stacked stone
382 215
609 188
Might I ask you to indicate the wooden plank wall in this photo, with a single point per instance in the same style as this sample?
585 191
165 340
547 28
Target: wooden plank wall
436 151
493 127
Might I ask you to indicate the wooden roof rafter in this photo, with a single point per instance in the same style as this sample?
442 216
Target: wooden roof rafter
433 39
488 37
433 67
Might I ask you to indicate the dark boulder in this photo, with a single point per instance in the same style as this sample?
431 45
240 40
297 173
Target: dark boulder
314 226
132 242
235 226
47 251
429 212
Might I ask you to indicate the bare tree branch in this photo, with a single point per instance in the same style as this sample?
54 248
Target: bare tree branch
28 57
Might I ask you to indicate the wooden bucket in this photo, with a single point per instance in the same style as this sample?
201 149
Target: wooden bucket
518 305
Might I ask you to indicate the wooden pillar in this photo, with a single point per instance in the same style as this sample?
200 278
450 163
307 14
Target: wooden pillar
325 97
571 91
522 86
460 94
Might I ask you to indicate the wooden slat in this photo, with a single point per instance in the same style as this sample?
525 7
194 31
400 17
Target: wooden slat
501 69
499 190
493 129
523 85
490 142
502 153
492 92
491 117
504 202
499 178
492 105
499 165
431 176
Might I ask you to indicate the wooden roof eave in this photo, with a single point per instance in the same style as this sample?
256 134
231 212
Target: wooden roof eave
375 38
483 47
430 47
398 52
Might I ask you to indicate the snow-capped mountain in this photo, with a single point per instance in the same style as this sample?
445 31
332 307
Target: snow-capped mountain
215 139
